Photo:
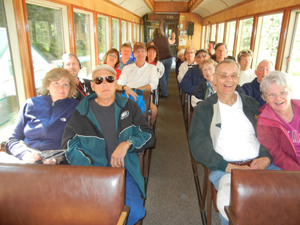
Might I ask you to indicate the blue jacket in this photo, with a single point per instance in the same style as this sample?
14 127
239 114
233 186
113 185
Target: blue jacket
252 90
86 144
191 80
40 124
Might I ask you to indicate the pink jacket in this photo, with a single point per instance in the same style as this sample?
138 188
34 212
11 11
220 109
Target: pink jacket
272 134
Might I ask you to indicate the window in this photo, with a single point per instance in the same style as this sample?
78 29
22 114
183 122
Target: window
245 33
203 37
46 38
207 35
83 37
124 31
291 57
129 32
102 36
134 33
230 35
213 32
266 43
137 33
115 33
151 25
220 33
142 33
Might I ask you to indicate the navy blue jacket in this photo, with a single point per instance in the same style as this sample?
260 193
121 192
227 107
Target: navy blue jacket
252 89
40 124
191 80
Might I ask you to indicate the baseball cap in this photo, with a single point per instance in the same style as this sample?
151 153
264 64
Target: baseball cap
104 67
139 45
201 50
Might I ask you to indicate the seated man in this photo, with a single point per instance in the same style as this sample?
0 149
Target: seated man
107 129
126 51
140 75
194 75
71 62
223 133
252 89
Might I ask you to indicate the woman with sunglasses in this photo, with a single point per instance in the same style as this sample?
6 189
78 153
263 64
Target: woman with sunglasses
112 59
247 74
278 125
42 120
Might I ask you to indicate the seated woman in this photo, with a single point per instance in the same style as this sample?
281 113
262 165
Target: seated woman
205 88
153 58
278 125
112 58
247 74
180 59
42 120
189 55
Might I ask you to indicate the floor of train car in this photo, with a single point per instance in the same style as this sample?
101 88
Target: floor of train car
171 191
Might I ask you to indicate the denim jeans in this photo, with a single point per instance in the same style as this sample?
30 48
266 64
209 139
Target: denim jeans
163 81
215 177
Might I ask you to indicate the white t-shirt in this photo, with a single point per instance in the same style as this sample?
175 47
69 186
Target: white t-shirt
246 76
237 140
134 77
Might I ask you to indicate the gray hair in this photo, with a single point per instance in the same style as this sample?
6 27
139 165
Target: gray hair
228 61
266 60
180 52
280 78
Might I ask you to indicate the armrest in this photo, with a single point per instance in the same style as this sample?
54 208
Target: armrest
231 216
123 217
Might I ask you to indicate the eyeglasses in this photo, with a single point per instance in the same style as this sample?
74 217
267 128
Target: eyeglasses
208 69
264 69
111 55
99 80
201 55
224 76
190 52
281 94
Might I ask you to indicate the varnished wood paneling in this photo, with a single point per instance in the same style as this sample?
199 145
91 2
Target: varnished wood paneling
24 44
171 6
71 29
254 32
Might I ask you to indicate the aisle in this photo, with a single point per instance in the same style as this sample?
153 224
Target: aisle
171 193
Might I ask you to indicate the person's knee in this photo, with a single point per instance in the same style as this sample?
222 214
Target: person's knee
153 109
136 213
223 196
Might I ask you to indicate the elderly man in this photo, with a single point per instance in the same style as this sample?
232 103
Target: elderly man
71 62
223 133
140 75
126 51
252 89
194 75
107 129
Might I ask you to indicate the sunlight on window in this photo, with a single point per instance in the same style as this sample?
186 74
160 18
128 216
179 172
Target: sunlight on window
230 36
102 36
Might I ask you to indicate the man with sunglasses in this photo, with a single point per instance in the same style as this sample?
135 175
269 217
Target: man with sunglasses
223 133
194 76
140 75
107 129
252 89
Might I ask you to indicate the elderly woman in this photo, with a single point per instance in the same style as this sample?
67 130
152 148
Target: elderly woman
180 59
244 59
112 59
189 55
42 120
278 125
206 87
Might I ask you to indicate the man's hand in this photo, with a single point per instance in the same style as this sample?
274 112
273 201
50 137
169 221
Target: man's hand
232 166
260 163
129 91
31 157
117 158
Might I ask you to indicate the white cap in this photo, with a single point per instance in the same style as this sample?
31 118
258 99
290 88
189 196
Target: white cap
104 67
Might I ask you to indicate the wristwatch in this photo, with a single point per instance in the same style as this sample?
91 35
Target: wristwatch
130 144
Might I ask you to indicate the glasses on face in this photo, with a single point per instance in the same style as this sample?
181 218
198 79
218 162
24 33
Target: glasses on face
208 69
99 80
152 52
190 53
201 55
111 55
281 94
224 75
264 69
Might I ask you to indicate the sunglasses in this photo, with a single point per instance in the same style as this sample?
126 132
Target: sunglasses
99 80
